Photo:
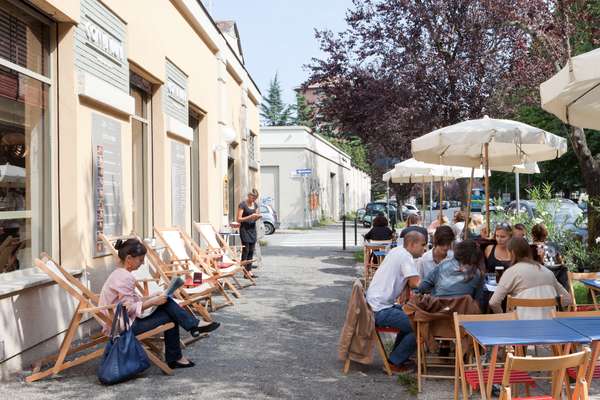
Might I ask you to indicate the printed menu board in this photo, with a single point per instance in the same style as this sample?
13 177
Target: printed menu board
107 180
179 180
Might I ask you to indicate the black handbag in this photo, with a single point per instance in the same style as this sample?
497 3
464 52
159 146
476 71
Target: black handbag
124 357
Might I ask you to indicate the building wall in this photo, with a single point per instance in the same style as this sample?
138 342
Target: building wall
336 184
181 32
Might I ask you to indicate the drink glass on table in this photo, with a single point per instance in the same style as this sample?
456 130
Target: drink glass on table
499 271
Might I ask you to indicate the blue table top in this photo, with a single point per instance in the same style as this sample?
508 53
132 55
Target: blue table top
595 283
380 253
587 326
523 332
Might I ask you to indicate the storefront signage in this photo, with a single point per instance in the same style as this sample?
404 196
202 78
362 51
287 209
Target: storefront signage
101 47
175 93
103 41
107 180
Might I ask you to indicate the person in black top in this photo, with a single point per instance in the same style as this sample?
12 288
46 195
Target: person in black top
248 213
380 229
497 255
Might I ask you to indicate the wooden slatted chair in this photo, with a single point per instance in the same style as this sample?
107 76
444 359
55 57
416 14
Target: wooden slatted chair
218 247
87 305
515 304
557 365
466 374
578 276
595 374
370 261
184 251
156 275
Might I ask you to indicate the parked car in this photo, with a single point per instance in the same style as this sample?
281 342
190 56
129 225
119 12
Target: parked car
360 213
411 209
375 208
566 215
270 219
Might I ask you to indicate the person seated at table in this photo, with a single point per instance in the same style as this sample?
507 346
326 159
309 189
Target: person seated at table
396 273
474 226
437 222
520 231
458 224
161 309
443 238
527 279
497 255
380 229
413 224
539 234
458 276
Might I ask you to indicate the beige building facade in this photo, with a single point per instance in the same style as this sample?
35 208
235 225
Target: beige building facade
115 116
305 178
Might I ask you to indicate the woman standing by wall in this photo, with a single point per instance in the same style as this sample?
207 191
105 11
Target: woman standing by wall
248 214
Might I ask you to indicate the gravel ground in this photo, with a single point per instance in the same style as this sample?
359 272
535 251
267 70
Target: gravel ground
278 342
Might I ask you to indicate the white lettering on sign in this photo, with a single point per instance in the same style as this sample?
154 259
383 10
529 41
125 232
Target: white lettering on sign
103 41
176 92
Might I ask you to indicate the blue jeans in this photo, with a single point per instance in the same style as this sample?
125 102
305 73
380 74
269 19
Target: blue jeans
165 313
406 342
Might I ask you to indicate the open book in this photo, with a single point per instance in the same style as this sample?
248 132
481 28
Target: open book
175 284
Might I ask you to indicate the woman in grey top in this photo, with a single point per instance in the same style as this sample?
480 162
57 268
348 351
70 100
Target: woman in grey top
459 276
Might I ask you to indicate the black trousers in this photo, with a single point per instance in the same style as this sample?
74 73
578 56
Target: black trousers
248 253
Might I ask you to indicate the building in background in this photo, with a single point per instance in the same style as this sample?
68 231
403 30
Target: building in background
306 178
115 116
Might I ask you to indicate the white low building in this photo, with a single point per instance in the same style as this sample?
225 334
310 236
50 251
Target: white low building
306 178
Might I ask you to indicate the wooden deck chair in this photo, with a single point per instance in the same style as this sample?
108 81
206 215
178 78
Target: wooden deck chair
181 251
219 247
558 365
87 304
578 276
594 368
156 275
467 374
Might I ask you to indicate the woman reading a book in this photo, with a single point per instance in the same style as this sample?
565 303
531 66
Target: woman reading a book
149 312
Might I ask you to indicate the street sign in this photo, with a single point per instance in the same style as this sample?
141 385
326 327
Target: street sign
304 172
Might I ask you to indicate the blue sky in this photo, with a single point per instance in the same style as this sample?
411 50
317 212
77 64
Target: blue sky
277 35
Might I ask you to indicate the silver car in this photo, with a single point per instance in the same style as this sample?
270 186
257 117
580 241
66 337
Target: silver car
270 219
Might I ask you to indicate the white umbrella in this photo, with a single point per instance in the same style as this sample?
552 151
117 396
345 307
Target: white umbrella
12 173
573 94
495 143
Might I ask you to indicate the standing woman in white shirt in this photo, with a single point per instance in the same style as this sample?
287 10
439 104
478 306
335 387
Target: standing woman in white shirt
396 272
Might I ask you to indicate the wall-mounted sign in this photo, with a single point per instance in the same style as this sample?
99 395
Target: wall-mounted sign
179 182
175 93
100 45
107 178
103 41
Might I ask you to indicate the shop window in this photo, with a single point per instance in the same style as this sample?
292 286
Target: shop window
252 147
180 192
24 136
140 90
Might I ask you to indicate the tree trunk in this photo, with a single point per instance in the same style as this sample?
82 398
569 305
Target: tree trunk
590 171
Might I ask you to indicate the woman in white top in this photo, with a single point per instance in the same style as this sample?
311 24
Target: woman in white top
527 279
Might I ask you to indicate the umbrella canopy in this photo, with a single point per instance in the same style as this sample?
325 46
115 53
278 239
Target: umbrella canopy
12 173
413 171
573 94
509 143
529 168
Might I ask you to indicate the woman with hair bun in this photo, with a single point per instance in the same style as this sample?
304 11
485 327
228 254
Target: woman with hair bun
120 288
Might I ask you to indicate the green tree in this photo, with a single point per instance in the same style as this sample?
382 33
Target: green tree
305 114
273 110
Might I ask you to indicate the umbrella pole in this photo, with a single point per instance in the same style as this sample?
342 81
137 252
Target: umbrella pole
441 199
466 228
487 186
431 201
423 194
518 191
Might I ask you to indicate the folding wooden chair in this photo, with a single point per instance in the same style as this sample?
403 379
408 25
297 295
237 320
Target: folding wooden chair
467 374
185 253
219 248
517 304
426 360
558 365
370 261
578 276
87 304
156 275
594 368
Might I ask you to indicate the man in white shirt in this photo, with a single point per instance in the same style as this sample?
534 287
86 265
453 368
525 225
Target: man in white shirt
396 271
443 239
